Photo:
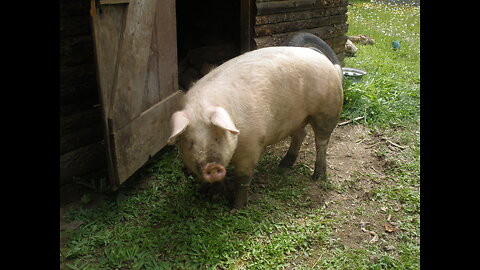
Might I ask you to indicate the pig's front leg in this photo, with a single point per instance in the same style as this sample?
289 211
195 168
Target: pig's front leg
241 191
244 167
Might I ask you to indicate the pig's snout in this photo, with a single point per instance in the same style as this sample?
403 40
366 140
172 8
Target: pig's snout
213 172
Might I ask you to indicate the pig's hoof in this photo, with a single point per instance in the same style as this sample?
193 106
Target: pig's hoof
319 176
287 161
240 200
239 204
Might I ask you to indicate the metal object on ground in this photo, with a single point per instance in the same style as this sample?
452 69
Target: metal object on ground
353 73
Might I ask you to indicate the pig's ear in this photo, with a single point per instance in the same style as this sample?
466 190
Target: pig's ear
178 122
221 118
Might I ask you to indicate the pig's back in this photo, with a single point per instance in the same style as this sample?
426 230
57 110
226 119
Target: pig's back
276 88
267 73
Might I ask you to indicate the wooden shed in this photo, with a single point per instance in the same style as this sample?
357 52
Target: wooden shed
123 64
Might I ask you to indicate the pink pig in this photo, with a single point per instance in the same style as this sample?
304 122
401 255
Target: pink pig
255 100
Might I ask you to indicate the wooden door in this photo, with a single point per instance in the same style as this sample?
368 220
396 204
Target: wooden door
248 10
136 53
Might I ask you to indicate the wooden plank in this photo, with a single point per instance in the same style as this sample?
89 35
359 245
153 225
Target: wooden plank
75 122
81 161
317 2
269 29
273 7
144 137
325 32
107 28
333 3
111 2
132 65
333 36
82 137
299 15
152 94
107 32
247 17
337 43
283 6
166 48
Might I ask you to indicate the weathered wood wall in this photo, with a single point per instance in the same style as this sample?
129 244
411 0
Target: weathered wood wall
81 132
276 19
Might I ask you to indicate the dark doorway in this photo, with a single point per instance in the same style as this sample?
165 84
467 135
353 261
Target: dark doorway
208 34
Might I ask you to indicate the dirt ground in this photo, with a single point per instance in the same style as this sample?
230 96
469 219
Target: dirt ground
353 165
351 154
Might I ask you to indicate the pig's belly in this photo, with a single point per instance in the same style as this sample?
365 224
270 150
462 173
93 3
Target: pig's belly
285 127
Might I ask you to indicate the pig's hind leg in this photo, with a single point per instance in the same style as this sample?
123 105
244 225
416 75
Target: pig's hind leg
295 144
323 130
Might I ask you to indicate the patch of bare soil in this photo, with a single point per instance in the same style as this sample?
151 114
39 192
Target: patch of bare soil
354 170
354 165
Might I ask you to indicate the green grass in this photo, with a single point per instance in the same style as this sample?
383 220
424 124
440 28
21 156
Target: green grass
390 92
165 224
